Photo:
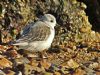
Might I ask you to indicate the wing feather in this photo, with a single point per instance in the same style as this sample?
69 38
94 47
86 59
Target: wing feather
38 32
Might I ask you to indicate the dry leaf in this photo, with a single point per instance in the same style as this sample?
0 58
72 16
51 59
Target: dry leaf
57 73
79 72
2 48
47 73
5 63
11 73
45 64
97 73
14 54
72 64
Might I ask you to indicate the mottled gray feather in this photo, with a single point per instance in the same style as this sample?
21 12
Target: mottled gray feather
27 28
38 32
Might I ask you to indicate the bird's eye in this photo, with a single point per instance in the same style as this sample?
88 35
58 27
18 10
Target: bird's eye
51 20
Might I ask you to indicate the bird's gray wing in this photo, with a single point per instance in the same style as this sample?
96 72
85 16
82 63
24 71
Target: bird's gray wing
38 32
27 28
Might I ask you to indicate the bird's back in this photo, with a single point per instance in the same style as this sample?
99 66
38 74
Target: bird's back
38 37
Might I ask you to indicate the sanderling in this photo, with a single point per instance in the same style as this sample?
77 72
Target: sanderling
38 36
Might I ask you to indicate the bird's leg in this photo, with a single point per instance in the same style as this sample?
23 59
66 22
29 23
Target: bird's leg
30 54
40 55
45 56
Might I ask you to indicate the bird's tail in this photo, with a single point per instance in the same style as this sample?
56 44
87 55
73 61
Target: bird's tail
16 43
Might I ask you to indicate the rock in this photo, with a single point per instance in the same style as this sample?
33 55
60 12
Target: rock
19 73
94 65
73 28
89 71
21 60
2 73
27 69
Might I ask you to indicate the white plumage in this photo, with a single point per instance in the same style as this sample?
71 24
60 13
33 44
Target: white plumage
38 36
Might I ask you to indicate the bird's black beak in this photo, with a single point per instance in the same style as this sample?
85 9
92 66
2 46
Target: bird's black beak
57 25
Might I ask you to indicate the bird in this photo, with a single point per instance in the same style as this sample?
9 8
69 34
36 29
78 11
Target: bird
38 36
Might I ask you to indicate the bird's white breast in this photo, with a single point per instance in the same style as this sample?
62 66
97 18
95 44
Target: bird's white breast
51 37
42 45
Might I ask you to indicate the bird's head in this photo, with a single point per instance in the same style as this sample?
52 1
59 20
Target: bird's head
49 19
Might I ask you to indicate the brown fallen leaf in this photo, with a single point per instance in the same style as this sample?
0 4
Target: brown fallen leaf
33 63
79 72
45 64
5 63
57 73
72 64
13 54
48 73
2 48
97 73
10 72
85 29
